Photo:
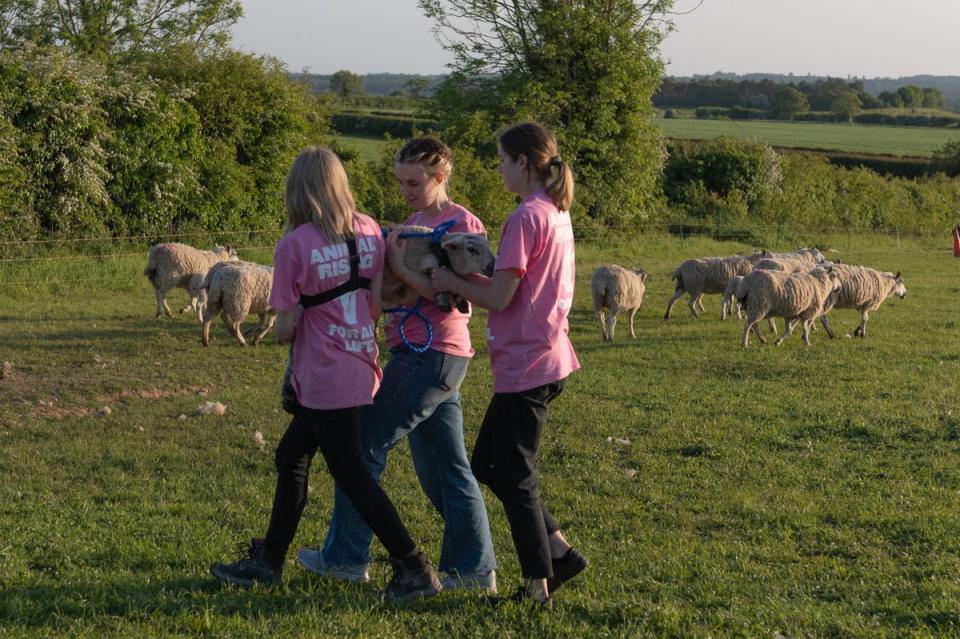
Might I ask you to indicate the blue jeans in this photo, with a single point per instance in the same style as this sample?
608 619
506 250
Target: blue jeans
419 398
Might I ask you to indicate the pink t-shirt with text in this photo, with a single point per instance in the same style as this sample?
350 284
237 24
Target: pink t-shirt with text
450 332
528 341
335 350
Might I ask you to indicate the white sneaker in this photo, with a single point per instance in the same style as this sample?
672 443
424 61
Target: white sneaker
313 561
486 581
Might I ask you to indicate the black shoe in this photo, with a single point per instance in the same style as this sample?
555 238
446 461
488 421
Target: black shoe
566 568
413 577
252 569
521 596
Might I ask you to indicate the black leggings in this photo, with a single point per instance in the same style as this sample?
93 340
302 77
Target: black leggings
505 459
337 434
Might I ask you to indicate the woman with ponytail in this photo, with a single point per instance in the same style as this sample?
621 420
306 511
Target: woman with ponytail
529 298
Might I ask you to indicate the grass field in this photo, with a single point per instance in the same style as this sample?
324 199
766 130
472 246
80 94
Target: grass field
368 148
853 138
768 492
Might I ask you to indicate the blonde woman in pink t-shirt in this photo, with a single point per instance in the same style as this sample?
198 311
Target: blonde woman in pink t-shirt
419 399
529 298
328 271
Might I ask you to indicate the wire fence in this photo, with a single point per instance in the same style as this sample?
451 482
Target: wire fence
63 268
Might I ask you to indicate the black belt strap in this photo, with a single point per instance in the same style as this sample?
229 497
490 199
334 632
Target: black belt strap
354 283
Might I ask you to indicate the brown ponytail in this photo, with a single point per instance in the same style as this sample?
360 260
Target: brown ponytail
540 148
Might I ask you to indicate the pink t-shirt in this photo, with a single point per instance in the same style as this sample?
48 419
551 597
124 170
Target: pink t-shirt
335 350
450 332
528 340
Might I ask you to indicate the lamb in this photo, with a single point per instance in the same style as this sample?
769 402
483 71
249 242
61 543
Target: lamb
731 296
467 253
173 265
792 296
706 275
863 289
616 288
234 291
198 294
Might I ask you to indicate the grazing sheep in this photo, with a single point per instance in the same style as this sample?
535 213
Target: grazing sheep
467 253
173 265
616 288
792 296
234 291
706 275
863 289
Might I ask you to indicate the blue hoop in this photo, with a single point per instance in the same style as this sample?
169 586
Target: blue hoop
407 312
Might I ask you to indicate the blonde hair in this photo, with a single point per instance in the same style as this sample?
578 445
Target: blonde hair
431 154
318 191
543 158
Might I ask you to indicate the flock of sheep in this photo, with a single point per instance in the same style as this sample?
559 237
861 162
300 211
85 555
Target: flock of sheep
798 286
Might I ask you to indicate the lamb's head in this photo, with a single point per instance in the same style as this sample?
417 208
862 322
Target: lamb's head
227 252
899 289
814 253
469 253
642 274
756 256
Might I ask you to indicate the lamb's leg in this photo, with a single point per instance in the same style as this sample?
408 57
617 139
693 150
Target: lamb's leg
603 323
266 322
693 303
162 307
700 304
673 300
235 330
724 307
633 313
747 326
206 332
807 325
826 326
788 329
739 311
772 325
862 329
612 321
758 333
191 305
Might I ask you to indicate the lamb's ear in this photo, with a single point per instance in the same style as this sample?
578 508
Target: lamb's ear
897 276
643 275
453 242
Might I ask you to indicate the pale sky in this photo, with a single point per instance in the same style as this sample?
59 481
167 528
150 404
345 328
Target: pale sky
873 38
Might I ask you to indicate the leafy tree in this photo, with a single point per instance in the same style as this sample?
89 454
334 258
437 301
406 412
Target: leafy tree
586 69
417 86
911 96
933 98
106 29
890 98
846 105
946 159
346 84
788 102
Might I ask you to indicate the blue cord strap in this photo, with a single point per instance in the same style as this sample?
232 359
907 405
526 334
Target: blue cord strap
434 237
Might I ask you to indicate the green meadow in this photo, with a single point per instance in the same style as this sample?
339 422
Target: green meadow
852 138
718 491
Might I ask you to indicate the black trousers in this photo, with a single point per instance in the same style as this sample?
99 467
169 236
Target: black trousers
505 459
336 433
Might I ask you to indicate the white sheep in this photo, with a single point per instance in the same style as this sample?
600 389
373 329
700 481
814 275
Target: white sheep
617 289
731 297
863 289
234 291
706 275
467 252
792 296
173 265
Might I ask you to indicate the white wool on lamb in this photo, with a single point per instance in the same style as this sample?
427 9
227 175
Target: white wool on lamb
706 275
173 265
468 253
863 289
233 292
617 289
792 296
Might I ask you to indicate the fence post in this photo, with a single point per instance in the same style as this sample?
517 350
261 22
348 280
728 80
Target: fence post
681 235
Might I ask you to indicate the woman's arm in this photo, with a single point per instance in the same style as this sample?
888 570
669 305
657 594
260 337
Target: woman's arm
493 293
376 292
287 324
396 253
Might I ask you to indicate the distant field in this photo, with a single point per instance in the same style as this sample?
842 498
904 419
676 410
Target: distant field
855 138
368 148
